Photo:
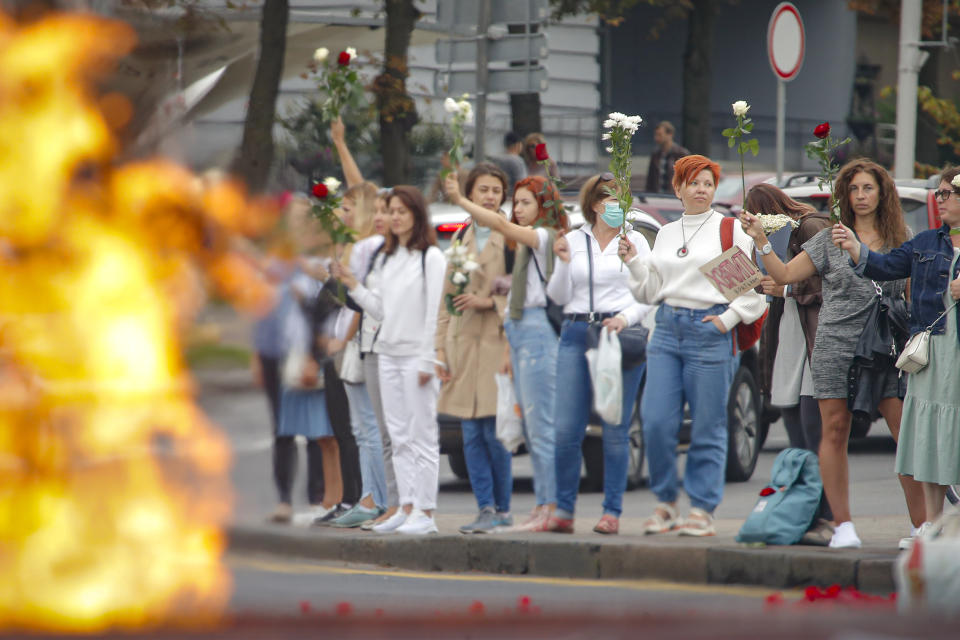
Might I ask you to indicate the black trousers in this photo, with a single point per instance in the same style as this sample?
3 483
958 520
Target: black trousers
285 447
338 408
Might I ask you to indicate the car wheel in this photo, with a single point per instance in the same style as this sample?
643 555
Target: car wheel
458 464
743 424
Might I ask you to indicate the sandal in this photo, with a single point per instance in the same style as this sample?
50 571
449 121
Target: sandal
657 523
608 525
698 523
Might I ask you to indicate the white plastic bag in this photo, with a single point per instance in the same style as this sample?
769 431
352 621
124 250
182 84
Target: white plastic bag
607 377
928 573
509 422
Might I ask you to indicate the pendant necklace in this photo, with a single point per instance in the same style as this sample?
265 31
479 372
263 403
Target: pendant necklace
683 252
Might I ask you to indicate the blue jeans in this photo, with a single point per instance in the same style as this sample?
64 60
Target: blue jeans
533 354
574 405
691 361
488 463
363 419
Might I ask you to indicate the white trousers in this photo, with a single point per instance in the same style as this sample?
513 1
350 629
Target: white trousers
410 411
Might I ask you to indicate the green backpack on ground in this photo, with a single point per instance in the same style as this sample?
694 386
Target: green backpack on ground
788 504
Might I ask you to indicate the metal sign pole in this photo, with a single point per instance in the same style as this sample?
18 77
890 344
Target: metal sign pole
781 126
479 131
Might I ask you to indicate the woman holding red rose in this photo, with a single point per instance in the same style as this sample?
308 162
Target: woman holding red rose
535 152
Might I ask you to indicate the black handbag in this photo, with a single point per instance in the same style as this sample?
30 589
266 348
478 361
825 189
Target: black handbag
633 339
883 336
554 310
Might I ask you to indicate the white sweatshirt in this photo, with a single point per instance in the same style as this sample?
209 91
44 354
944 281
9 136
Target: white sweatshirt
663 276
406 299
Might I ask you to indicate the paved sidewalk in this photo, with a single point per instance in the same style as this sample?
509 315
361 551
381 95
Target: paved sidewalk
717 560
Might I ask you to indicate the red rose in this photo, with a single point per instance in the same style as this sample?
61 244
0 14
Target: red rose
767 491
343 59
541 152
320 190
822 130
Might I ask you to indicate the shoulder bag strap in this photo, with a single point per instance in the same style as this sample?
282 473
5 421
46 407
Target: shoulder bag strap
586 237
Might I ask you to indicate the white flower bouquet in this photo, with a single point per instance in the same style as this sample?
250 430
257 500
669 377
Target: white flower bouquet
774 222
462 264
462 113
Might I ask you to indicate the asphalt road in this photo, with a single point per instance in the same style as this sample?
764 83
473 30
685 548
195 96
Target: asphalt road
875 490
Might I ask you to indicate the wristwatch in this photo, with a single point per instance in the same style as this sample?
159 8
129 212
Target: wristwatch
766 249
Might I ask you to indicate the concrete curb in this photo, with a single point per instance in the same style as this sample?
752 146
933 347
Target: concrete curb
569 557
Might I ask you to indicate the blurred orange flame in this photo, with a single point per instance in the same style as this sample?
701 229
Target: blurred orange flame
113 486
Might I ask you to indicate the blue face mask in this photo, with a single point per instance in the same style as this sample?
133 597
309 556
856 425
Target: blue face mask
612 215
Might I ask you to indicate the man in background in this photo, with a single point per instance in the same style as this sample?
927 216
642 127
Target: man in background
512 161
660 172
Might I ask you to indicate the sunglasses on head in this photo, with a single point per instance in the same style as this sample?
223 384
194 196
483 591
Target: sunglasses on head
943 194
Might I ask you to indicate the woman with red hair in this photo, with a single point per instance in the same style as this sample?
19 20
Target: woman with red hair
532 355
691 350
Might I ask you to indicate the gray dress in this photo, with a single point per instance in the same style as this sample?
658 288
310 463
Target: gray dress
846 303
929 446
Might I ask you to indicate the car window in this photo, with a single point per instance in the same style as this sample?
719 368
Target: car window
915 215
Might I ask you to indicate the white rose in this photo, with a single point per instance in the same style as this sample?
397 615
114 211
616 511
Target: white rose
320 55
332 184
461 250
450 105
459 278
740 108
448 252
955 182
470 265
351 52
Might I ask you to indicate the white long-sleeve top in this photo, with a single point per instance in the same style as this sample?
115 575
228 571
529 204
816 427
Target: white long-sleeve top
405 299
663 276
363 250
570 283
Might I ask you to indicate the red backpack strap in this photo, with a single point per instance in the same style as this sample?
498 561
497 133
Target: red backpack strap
726 242
726 233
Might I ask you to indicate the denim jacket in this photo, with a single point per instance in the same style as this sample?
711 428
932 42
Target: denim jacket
926 261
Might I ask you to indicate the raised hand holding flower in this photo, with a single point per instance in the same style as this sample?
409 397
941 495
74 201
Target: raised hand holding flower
822 150
462 113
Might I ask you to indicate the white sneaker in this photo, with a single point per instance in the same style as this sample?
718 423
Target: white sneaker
915 532
390 524
845 537
418 524
306 517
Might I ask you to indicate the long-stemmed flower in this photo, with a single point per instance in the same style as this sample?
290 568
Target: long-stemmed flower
462 264
822 150
462 113
338 79
737 136
549 196
324 209
620 131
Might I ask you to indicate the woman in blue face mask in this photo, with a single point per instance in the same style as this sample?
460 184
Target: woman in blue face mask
592 284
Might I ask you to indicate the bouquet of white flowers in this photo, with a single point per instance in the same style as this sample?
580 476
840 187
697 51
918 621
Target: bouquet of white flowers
462 263
462 113
774 222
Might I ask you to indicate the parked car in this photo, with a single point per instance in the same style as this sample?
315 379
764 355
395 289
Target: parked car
748 416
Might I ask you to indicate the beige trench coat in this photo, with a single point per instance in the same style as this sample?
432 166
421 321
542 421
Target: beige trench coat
473 343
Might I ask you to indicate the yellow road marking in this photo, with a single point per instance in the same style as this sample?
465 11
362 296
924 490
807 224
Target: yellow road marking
309 568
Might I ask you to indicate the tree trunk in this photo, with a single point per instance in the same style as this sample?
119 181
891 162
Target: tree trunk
525 113
398 113
697 76
255 158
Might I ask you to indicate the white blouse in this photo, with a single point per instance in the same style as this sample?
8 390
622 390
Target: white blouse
570 283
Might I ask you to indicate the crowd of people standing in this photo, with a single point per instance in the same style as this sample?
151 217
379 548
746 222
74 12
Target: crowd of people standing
367 343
